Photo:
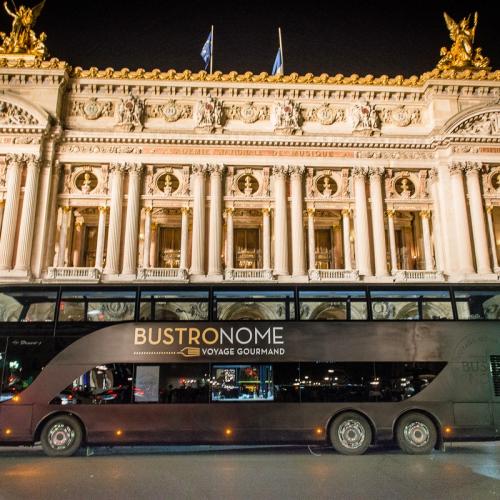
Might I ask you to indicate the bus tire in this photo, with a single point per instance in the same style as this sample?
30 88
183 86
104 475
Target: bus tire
61 436
416 434
350 434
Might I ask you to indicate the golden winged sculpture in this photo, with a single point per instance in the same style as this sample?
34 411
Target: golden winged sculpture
22 40
462 54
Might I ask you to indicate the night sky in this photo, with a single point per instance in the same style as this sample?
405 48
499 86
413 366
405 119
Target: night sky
319 37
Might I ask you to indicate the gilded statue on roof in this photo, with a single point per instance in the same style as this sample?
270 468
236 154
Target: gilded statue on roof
22 40
462 54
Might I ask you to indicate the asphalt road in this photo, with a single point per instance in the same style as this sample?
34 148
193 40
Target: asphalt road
464 471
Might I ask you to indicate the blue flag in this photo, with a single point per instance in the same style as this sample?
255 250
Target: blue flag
206 51
278 64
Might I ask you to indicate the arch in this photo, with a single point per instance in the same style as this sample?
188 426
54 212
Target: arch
244 311
21 112
459 119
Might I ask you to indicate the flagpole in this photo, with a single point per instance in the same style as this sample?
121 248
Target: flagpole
281 50
212 51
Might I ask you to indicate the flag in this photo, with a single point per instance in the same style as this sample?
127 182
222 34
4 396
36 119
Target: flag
206 51
278 64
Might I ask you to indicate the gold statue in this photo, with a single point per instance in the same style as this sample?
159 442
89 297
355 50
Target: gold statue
462 55
22 40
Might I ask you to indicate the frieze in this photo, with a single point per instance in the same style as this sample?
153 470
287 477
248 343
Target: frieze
326 114
209 115
92 109
248 112
401 116
286 118
365 119
171 111
130 114
99 148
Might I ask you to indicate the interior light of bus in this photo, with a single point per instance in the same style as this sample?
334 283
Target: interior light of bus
228 431
8 432
330 371
118 433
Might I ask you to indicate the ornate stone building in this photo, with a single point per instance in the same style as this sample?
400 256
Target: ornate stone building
135 176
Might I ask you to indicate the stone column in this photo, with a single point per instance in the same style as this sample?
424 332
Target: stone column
464 248
101 237
436 220
493 243
298 257
379 245
23 254
146 247
184 238
215 231
198 232
13 186
392 240
311 243
426 233
477 218
346 232
77 243
280 221
153 252
52 217
115 219
266 236
229 238
132 221
63 235
337 247
361 227
2 206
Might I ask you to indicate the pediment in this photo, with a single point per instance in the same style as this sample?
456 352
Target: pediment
479 123
15 112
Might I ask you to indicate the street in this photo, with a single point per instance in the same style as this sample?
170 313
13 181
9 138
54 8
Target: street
465 470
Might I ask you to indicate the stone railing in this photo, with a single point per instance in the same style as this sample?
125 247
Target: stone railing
333 275
418 275
248 274
162 274
74 273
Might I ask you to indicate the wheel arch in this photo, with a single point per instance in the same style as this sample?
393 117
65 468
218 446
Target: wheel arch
352 410
427 413
46 418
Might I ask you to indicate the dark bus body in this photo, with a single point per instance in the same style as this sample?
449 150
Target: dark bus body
283 381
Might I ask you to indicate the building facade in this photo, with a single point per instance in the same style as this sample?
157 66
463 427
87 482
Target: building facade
135 176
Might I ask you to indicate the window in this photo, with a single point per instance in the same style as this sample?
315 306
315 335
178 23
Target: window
478 304
171 383
165 305
407 304
3 348
27 305
25 359
97 305
333 305
240 305
105 384
286 382
242 383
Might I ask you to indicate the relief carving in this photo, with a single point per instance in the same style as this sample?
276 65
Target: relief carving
286 118
14 115
365 119
484 124
92 109
326 115
208 115
400 116
130 114
171 111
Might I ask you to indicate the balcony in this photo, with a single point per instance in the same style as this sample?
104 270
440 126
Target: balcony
248 275
333 275
89 274
413 276
162 274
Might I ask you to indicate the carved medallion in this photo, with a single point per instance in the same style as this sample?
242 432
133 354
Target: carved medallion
326 115
405 187
248 185
326 186
86 182
168 183
249 113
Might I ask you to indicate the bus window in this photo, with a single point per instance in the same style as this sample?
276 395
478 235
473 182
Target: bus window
242 305
478 304
337 382
406 304
25 359
104 384
172 383
286 382
96 305
324 305
164 305
3 348
242 383
27 305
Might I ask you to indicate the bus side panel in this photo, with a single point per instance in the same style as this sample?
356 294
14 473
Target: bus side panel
15 423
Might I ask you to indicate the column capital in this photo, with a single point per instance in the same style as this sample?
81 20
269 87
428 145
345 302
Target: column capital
185 210
103 209
489 209
390 213
346 212
425 214
359 172
134 168
228 212
296 170
456 167
199 169
66 209
433 174
266 211
118 168
15 160
376 171
148 210
310 212
280 171
215 168
473 167
33 161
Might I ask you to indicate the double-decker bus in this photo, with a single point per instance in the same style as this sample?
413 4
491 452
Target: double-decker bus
346 366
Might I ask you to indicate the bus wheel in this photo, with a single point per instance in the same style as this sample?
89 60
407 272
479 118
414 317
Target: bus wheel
416 434
351 434
61 436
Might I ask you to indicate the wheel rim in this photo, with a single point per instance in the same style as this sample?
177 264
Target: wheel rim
417 434
61 436
351 434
